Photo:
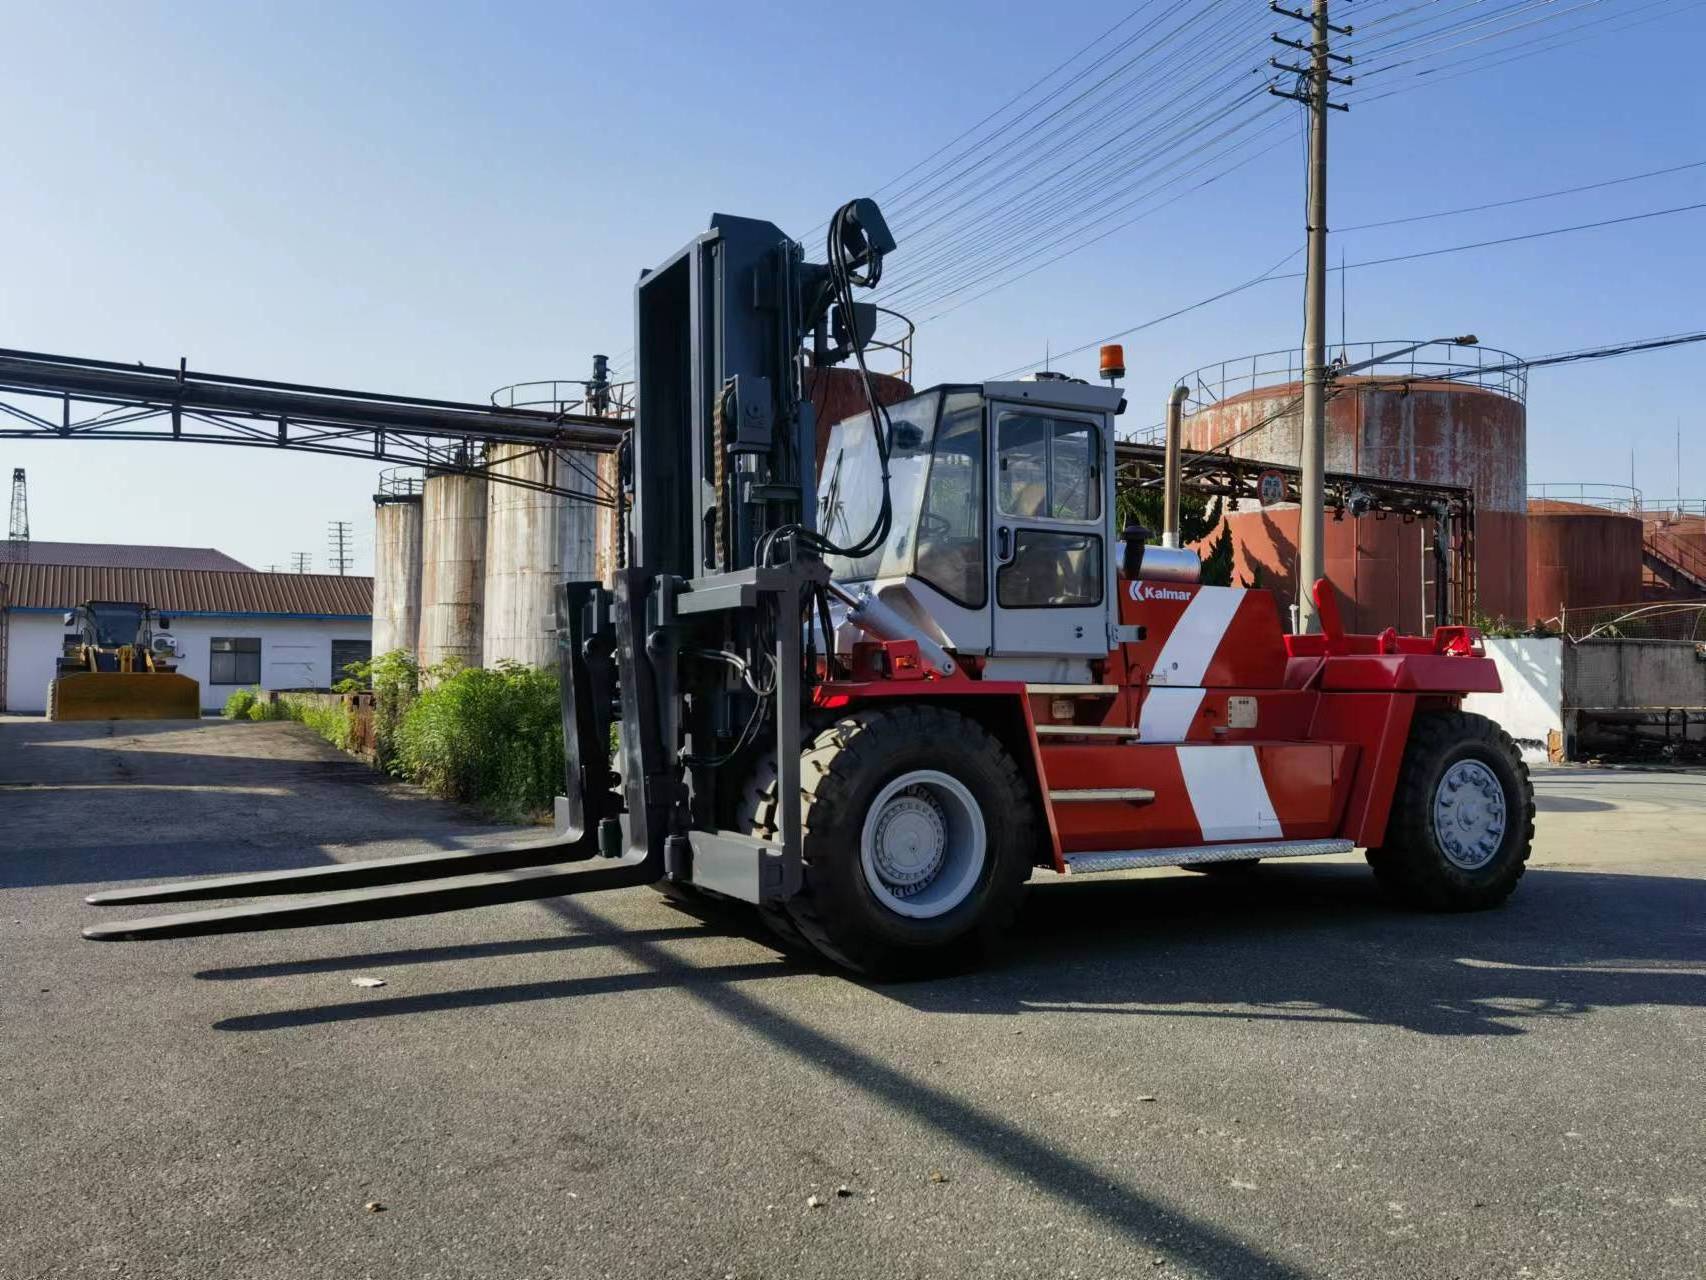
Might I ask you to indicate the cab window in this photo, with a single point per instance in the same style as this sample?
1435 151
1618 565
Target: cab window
951 543
1050 468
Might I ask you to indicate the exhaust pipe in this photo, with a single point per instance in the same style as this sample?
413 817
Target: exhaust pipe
1170 481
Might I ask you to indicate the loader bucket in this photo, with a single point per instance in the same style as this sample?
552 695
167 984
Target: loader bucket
112 695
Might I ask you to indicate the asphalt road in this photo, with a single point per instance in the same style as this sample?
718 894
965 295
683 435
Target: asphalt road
1172 1075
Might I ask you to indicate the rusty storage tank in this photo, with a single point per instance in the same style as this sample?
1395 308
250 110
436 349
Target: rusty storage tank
1440 414
534 541
838 392
397 561
453 567
1584 548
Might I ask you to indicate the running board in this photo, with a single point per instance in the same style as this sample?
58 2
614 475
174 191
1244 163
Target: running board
1097 795
354 875
1192 855
390 902
1086 731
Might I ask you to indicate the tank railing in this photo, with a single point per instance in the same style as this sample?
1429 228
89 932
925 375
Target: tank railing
1675 509
1484 367
1611 497
463 455
568 395
401 482
897 343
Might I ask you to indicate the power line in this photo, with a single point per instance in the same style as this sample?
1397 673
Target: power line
1269 276
1544 195
1532 235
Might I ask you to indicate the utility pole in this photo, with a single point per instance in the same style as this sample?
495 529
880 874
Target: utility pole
300 561
338 537
18 531
1313 83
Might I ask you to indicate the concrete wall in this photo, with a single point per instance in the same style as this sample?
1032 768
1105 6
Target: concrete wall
1635 673
1611 696
1530 708
295 652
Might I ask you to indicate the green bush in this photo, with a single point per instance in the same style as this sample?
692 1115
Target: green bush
264 710
238 704
490 737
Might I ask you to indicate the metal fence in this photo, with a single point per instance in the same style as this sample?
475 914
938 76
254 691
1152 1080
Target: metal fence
1666 620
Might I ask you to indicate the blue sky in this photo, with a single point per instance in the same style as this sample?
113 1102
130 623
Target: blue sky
439 199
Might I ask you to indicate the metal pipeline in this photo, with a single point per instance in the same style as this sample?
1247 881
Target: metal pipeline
871 614
1170 481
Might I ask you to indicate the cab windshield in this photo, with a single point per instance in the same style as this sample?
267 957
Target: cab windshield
936 490
115 624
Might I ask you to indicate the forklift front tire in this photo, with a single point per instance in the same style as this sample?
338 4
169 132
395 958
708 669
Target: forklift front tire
917 835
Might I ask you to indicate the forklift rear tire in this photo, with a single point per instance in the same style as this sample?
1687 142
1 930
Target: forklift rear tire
1462 820
917 832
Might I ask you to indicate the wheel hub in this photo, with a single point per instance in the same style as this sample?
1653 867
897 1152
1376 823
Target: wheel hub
910 841
1469 814
923 845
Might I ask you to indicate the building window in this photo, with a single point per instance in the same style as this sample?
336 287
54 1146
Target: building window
234 660
345 654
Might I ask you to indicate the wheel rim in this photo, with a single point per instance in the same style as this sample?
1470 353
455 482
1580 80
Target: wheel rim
924 844
1469 815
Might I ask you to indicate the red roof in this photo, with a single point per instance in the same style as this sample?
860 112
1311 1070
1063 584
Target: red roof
121 555
187 591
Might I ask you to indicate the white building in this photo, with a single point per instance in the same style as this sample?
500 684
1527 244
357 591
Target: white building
234 627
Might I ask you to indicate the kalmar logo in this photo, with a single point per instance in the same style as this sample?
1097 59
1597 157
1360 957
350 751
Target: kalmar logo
1149 591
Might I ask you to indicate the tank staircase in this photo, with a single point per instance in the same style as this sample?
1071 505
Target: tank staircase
1672 561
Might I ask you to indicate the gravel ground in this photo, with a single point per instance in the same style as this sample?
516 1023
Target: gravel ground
1171 1075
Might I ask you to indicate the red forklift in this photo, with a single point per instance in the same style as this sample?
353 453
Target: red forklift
873 702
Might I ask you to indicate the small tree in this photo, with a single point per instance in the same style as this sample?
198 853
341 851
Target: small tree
1142 504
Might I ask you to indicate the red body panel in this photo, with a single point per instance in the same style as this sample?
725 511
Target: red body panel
1241 732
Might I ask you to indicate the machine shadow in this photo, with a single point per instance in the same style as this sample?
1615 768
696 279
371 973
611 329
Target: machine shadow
1320 943
1122 1210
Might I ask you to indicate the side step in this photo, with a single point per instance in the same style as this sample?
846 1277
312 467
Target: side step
1190 855
1097 795
1109 731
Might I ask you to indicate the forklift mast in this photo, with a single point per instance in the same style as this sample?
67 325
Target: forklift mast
696 657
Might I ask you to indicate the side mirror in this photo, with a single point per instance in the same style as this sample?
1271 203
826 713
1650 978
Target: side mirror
1135 536
165 623
70 617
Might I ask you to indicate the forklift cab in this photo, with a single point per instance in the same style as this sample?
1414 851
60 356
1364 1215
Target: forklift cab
999 544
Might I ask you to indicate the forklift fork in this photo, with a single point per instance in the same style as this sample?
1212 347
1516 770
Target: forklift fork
596 845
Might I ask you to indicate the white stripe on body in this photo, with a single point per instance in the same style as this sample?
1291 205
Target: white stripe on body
1227 793
1192 643
1167 714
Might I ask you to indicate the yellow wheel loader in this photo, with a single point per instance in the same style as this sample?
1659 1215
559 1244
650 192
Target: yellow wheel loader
118 667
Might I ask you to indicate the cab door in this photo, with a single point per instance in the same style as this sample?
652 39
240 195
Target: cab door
1049 489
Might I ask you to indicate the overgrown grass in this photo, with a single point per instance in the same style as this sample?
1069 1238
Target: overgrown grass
493 738
490 737
238 704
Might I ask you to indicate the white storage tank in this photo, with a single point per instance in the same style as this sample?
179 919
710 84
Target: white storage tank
536 540
453 568
397 563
